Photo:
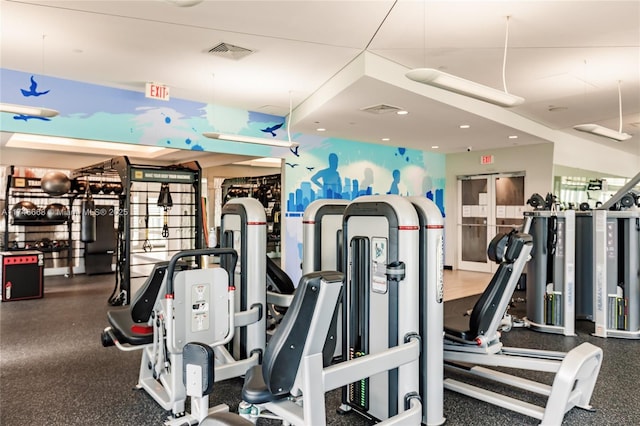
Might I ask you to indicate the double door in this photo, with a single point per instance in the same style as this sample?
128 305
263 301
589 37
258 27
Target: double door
487 205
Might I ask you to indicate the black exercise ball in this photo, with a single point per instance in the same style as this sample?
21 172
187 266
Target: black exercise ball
55 183
56 211
117 188
24 210
79 185
95 188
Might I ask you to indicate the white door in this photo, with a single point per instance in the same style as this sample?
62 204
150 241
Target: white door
488 204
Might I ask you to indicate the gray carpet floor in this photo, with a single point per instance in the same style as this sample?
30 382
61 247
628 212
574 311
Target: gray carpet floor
54 370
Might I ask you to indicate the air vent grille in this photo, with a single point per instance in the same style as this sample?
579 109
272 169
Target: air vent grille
380 109
230 51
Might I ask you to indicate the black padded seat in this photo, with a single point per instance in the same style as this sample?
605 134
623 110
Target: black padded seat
129 324
274 379
127 331
255 390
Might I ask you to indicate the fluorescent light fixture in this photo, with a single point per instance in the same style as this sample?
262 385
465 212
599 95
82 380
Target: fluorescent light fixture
249 139
28 110
603 131
83 146
262 162
449 82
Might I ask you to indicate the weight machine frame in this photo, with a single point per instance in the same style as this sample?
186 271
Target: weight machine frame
128 172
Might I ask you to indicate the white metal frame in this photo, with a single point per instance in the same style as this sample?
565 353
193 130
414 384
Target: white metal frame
576 372
600 291
313 381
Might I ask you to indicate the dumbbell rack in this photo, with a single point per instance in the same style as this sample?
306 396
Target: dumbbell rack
37 232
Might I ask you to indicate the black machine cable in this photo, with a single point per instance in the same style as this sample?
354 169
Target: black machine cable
118 299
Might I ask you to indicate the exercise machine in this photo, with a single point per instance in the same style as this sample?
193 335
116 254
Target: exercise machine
616 254
322 251
243 229
431 296
177 305
140 185
385 240
616 264
291 382
474 350
551 272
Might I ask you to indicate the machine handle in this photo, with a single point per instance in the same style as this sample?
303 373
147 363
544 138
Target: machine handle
199 252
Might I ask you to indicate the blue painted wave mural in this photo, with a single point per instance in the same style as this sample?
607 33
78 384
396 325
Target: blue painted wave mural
89 111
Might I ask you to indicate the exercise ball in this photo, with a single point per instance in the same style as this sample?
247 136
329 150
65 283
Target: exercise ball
79 185
24 210
95 188
117 188
55 183
56 211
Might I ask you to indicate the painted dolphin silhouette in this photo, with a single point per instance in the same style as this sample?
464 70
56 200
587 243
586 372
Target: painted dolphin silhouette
272 129
33 89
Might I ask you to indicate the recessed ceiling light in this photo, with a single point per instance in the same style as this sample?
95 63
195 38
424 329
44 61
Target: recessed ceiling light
321 129
402 112
435 147
464 126
386 139
513 137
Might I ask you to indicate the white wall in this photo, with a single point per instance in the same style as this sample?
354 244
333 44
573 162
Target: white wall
536 161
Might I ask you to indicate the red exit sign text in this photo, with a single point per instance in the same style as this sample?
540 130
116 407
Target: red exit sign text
157 91
486 159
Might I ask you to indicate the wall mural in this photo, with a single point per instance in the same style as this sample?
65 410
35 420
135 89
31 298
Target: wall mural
316 168
89 111
321 168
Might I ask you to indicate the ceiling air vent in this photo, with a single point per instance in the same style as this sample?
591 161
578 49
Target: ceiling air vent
380 109
230 51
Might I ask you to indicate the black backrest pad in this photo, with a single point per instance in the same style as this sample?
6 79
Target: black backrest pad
284 351
516 242
497 246
485 308
145 298
279 278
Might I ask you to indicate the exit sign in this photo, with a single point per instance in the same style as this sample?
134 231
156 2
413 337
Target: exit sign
157 91
486 159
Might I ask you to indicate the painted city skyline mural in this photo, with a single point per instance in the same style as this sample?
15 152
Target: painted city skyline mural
321 168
